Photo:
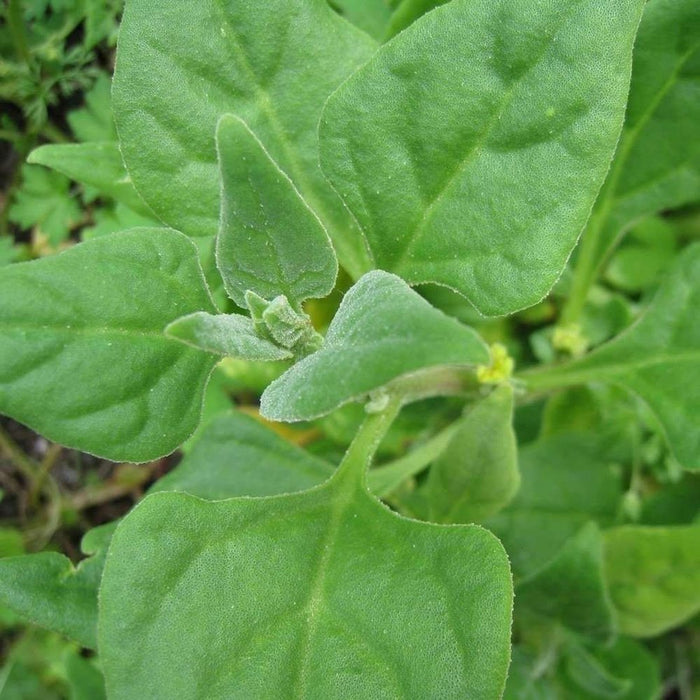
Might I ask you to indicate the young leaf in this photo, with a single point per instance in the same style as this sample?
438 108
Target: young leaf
565 483
236 455
224 334
94 121
98 164
656 358
83 356
272 63
325 593
472 146
571 588
270 242
657 164
654 575
382 330
48 590
478 472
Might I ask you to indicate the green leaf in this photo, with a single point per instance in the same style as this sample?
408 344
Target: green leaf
477 474
591 676
115 218
571 588
656 358
94 121
83 356
372 16
472 146
273 64
382 330
85 680
408 12
236 455
325 593
270 241
98 164
566 482
49 591
654 576
657 164
224 334
44 200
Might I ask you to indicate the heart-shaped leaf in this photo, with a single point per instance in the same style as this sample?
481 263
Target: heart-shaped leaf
472 146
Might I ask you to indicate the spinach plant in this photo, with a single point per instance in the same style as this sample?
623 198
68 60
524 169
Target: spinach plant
437 165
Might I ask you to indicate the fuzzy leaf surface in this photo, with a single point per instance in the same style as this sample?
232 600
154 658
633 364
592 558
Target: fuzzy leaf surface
83 357
324 593
478 473
654 575
472 146
382 330
236 455
225 334
273 64
372 16
658 358
269 242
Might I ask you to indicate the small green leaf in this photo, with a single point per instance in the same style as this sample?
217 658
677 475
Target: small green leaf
94 121
272 63
322 594
85 680
237 456
654 576
657 358
372 16
566 482
83 356
44 200
478 472
270 242
408 11
471 147
571 587
98 164
48 590
590 675
382 330
224 334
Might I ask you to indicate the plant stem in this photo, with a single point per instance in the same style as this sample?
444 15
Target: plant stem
542 379
353 468
15 22
385 479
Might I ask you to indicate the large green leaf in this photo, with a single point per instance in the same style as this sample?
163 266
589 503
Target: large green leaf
48 590
181 65
382 330
472 146
565 483
237 456
658 358
477 474
654 575
322 594
98 164
269 242
657 164
83 356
